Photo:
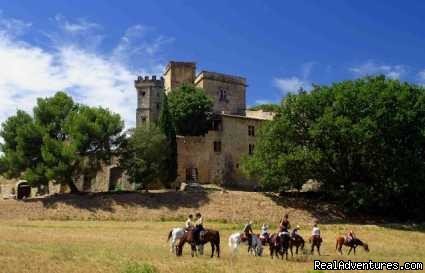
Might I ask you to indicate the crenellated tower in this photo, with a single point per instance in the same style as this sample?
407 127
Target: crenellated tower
149 92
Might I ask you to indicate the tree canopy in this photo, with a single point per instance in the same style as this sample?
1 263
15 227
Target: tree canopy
267 107
363 140
144 155
62 141
166 124
189 108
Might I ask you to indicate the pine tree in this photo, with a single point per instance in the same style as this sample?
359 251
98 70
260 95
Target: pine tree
166 124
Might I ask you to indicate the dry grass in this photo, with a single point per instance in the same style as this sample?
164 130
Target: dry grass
233 206
119 246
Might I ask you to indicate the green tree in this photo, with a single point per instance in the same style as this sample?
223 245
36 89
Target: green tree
267 107
166 125
362 139
190 107
63 141
144 155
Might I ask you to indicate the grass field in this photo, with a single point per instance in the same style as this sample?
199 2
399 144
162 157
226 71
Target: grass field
122 246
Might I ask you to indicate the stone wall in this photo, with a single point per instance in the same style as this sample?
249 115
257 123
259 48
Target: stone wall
227 92
177 73
221 167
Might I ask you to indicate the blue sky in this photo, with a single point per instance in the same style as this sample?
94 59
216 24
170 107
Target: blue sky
95 49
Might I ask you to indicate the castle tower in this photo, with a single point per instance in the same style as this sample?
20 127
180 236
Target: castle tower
177 73
149 92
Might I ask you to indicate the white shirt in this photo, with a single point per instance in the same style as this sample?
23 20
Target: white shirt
188 224
315 231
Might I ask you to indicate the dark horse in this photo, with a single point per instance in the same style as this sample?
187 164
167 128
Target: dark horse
279 245
315 241
341 241
211 236
297 242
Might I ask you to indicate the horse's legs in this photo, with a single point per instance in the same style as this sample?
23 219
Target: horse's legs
349 251
318 249
312 248
212 249
218 249
354 251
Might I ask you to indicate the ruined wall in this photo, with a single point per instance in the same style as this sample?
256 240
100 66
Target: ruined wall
227 92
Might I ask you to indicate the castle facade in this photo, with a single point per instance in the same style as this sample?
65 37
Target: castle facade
216 156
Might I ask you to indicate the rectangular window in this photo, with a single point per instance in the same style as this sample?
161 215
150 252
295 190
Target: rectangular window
217 146
251 130
215 125
251 149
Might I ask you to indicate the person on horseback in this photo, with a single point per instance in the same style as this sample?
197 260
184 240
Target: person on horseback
294 233
350 236
315 233
284 224
188 225
264 234
199 227
247 230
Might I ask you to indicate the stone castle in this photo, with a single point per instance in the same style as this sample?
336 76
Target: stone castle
214 157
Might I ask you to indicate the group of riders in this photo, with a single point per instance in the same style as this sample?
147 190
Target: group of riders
196 227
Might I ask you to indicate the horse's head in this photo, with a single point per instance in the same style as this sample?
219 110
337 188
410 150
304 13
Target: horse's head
366 247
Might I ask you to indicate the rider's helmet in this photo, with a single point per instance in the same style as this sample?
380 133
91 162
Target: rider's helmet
190 216
198 214
286 216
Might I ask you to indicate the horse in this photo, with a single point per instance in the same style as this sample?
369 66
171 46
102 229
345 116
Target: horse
315 241
279 244
353 244
209 236
298 242
264 239
236 239
174 235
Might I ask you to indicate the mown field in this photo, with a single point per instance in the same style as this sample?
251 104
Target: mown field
127 246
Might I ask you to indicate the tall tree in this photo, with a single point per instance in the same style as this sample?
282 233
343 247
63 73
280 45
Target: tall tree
166 125
363 140
144 155
190 108
62 141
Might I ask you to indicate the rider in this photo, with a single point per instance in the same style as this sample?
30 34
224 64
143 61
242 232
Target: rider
264 231
198 227
284 224
247 230
350 236
315 233
189 223
294 233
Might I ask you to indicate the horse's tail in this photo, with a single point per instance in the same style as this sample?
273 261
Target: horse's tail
169 235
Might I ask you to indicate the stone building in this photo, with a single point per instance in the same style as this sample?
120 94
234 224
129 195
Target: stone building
216 156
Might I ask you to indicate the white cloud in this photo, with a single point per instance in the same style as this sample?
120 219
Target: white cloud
372 68
421 76
291 84
72 64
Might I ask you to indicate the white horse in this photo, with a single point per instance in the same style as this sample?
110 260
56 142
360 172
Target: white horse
174 235
256 246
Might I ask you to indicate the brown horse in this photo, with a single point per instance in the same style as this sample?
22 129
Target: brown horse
209 236
297 242
315 241
353 244
279 245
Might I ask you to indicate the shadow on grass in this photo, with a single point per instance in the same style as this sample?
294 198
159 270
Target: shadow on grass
106 201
